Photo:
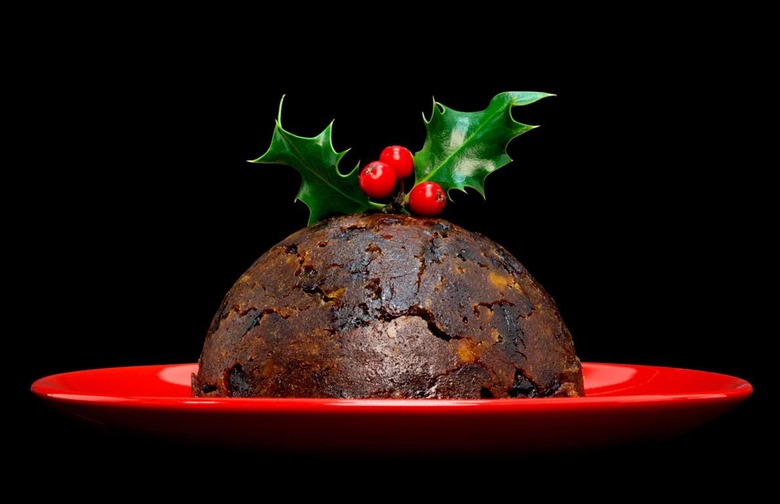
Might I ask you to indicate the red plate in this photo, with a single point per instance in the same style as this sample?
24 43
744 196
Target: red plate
624 403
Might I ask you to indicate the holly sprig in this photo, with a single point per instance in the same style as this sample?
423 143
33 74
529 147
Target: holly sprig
324 189
460 150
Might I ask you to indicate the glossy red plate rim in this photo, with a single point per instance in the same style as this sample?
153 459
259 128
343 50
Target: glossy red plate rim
624 403
639 383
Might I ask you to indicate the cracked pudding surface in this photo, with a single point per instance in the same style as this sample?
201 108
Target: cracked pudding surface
387 306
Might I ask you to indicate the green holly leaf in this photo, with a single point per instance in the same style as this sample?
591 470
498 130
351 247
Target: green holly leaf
462 148
324 189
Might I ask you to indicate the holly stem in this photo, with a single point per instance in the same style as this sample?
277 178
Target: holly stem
399 201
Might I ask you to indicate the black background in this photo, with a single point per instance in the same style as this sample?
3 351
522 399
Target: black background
638 203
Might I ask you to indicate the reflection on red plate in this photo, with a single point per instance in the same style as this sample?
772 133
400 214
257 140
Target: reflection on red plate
623 403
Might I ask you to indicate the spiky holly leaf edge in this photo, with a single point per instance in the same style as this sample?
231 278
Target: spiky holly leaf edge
324 189
498 111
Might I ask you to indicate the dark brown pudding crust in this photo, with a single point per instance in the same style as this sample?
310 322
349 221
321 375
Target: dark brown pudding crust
381 306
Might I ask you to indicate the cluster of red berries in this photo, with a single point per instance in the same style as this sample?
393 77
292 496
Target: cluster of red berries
379 178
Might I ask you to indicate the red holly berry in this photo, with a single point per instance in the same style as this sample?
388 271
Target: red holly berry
427 198
400 158
377 179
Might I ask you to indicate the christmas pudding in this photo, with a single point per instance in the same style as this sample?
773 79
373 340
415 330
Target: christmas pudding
378 297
